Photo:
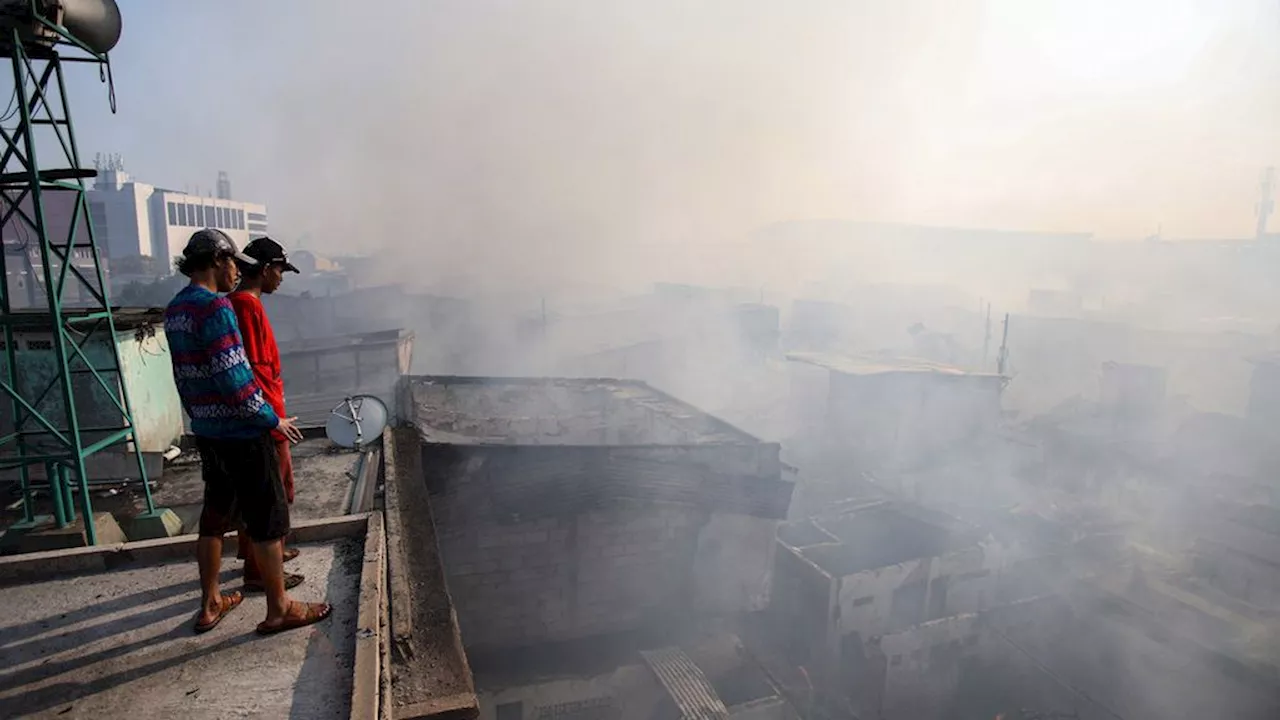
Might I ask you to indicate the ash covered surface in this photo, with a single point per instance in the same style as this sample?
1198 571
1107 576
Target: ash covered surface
557 411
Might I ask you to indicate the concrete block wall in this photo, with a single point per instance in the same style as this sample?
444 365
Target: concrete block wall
560 578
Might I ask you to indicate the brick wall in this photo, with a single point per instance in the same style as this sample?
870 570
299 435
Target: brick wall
532 556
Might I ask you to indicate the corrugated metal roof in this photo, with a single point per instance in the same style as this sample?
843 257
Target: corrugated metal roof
686 684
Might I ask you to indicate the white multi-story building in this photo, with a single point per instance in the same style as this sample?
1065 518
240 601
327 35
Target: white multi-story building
145 227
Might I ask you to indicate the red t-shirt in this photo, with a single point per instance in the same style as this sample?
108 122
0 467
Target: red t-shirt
260 347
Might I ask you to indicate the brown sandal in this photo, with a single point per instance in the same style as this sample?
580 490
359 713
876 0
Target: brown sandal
290 553
297 615
291 581
226 603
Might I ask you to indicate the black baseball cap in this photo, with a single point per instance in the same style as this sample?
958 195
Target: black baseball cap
266 251
214 243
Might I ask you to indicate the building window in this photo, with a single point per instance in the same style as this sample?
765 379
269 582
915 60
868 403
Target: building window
222 218
864 600
191 214
182 214
510 711
257 227
39 344
259 217
173 214
240 219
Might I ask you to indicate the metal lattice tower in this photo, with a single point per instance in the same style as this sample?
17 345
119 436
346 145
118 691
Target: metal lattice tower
66 392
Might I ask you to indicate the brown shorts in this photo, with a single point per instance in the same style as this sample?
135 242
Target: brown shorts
242 484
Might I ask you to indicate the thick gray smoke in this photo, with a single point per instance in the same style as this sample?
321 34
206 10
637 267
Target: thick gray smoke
526 172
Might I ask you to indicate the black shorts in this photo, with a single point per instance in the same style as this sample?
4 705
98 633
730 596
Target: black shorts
242 484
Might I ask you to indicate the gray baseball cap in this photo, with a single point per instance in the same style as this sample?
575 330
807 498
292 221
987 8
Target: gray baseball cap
211 242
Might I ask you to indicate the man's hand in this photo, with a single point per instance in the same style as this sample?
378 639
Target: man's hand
289 427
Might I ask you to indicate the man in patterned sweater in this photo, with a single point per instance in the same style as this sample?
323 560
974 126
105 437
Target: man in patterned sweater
232 423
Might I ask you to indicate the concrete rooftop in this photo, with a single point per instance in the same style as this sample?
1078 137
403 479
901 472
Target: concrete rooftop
323 477
557 411
119 644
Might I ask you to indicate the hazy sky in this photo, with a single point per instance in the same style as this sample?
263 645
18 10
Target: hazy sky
538 130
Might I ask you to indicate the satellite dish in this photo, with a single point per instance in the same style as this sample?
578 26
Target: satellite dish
356 421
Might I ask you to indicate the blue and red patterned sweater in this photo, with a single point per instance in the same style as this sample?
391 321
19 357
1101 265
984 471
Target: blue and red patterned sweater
213 375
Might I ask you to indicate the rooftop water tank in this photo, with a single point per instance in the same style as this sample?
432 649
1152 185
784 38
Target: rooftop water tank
96 23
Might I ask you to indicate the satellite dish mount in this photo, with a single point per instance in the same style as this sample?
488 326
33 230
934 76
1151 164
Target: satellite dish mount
357 421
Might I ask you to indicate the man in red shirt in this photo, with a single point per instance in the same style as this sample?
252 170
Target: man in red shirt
264 356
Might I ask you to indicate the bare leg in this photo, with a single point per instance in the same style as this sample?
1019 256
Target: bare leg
270 557
251 571
209 558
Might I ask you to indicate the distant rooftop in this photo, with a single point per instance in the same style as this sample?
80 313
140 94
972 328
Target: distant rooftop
559 411
855 365
876 535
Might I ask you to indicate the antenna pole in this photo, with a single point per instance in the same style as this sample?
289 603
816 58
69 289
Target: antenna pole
1003 358
1266 201
986 337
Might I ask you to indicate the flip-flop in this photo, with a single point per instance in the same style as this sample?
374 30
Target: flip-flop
298 615
226 603
291 581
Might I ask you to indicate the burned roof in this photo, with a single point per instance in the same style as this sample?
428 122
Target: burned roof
878 535
558 411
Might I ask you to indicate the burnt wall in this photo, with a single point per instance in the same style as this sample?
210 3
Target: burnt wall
547 543
800 621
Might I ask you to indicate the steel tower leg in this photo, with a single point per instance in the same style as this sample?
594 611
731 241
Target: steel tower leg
63 416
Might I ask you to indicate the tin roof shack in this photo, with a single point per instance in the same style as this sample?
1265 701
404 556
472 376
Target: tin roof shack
570 509
843 580
904 413
1082 653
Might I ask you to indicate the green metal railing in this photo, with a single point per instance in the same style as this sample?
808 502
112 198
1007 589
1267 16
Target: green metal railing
50 416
